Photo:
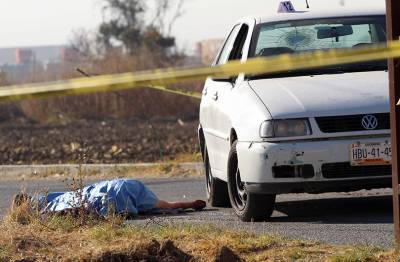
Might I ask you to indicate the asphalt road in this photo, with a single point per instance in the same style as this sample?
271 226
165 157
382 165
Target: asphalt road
363 217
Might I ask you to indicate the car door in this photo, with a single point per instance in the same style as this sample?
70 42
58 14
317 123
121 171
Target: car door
208 118
221 104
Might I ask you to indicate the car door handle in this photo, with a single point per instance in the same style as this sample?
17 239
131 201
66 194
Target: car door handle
215 96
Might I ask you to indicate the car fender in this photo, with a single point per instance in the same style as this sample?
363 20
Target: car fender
247 113
247 116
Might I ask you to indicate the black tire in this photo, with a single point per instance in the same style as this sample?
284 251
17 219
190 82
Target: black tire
248 207
217 190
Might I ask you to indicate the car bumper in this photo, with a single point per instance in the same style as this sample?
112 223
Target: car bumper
259 162
320 186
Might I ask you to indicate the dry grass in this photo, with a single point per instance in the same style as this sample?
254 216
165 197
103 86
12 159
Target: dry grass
28 235
162 170
141 103
175 169
189 158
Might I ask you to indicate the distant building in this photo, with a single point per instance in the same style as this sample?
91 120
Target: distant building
69 55
192 60
42 54
24 56
208 49
37 63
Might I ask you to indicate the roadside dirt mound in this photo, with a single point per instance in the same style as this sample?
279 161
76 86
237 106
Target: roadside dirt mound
154 251
227 255
114 141
167 252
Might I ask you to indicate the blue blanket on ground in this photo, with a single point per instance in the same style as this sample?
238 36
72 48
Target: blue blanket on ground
120 196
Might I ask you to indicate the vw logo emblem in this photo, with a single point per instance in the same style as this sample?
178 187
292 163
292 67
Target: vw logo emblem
369 122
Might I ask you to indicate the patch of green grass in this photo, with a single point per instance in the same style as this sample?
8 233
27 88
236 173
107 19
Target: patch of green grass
106 233
61 223
4 256
194 237
240 241
357 254
296 254
189 157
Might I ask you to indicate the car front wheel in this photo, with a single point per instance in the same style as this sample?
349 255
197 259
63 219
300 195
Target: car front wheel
248 207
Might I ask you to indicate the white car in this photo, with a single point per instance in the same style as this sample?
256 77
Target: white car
313 131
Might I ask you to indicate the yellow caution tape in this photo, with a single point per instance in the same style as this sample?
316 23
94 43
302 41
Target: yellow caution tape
178 92
157 79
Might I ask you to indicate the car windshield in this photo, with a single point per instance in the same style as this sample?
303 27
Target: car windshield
290 37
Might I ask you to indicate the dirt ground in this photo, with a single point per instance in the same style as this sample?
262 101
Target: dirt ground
90 141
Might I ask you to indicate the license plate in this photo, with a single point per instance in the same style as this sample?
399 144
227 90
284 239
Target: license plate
371 154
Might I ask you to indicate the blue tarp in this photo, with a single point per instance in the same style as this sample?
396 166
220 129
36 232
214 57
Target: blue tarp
120 196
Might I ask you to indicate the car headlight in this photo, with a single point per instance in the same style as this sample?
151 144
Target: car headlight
285 128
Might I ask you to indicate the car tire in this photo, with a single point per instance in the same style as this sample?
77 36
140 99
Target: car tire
248 207
217 190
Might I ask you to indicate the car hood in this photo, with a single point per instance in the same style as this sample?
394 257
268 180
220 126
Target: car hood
324 95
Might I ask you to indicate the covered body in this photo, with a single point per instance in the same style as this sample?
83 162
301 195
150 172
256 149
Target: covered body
120 196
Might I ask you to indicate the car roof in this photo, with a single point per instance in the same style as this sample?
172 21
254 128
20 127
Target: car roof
301 15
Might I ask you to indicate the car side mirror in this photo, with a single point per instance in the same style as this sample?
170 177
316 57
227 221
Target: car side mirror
231 80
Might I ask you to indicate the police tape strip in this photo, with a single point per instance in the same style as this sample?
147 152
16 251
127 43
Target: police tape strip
160 78
177 91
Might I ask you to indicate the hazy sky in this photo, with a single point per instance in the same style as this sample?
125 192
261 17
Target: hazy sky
43 22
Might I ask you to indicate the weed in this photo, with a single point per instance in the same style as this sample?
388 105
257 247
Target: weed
357 254
4 256
296 254
186 158
106 233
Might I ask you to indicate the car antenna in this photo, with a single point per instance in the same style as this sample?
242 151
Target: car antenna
308 6
82 72
88 75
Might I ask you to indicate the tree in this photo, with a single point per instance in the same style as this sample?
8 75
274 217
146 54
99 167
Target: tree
124 23
82 42
163 8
